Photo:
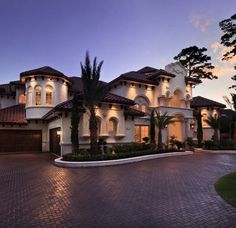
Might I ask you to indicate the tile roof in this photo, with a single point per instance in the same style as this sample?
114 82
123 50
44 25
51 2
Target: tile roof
13 115
204 102
5 89
135 76
133 112
46 70
77 86
64 106
147 69
228 113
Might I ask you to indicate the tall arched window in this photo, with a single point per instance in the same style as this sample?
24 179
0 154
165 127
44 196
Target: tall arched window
38 95
21 99
204 118
112 126
49 93
29 96
176 99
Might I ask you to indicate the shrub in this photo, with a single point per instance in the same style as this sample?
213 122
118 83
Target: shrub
126 148
223 145
190 142
210 145
146 139
175 143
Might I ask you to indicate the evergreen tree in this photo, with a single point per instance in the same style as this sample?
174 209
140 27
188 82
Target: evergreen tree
196 62
228 39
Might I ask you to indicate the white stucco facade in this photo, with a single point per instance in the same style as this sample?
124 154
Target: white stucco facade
167 91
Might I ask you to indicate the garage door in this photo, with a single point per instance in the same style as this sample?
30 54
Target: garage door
20 141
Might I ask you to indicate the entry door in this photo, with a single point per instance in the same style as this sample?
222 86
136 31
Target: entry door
141 131
55 139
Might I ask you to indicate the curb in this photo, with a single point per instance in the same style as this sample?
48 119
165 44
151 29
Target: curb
68 164
220 151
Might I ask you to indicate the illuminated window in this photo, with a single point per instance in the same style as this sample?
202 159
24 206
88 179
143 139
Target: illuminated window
176 100
204 117
38 95
112 126
29 96
22 99
143 108
49 95
141 131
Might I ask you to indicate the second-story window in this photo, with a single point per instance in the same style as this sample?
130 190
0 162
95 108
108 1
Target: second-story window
49 91
38 95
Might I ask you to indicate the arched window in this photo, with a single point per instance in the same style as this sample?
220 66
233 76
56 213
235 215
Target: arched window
21 99
143 108
204 117
112 126
142 103
38 95
99 124
49 91
29 96
176 100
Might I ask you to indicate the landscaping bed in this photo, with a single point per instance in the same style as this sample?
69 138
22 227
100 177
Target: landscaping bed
118 152
226 188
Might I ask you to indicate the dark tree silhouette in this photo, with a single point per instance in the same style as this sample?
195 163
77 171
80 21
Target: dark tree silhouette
94 91
75 119
196 62
228 39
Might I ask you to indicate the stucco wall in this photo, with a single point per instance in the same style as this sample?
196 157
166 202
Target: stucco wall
7 101
60 94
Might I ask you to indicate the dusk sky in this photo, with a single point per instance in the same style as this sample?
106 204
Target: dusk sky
126 34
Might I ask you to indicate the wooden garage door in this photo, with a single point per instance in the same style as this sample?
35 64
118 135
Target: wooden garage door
20 141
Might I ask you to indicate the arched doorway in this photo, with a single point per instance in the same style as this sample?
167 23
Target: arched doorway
176 128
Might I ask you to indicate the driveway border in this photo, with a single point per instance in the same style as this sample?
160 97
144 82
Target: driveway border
68 164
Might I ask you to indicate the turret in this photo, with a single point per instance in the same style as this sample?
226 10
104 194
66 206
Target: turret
45 88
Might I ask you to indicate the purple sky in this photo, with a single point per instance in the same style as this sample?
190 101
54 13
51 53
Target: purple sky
126 34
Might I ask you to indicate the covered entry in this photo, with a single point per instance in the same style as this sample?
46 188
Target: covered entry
20 141
55 138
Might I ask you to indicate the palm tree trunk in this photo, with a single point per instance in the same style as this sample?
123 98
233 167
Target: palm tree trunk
93 132
159 145
216 138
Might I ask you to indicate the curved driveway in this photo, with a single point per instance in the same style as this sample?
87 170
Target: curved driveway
168 192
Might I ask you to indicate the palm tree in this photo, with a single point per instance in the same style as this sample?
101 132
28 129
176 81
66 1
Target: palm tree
214 122
161 121
94 91
76 113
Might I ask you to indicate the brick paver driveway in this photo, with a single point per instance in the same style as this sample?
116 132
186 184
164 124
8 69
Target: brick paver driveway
167 192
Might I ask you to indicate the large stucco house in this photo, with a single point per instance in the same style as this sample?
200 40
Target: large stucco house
35 111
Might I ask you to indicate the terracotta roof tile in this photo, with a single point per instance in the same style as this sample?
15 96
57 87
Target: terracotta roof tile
14 114
46 70
133 112
77 86
204 102
136 77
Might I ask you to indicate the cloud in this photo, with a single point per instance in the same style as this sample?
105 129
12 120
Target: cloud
200 22
222 68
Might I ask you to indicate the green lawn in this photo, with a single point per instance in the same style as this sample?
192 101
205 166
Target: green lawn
226 187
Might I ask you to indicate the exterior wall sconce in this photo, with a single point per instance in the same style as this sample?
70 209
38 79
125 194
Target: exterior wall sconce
192 125
59 133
